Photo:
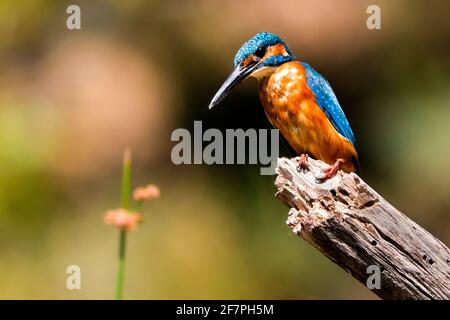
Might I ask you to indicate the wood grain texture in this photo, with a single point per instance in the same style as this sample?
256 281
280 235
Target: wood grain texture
355 227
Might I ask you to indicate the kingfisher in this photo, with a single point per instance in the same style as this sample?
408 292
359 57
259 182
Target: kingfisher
298 101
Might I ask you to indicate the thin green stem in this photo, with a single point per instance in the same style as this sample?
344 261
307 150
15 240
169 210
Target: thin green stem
126 180
121 270
125 204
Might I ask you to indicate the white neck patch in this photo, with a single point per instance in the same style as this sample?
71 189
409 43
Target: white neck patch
263 72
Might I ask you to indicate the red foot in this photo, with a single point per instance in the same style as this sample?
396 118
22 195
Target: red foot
303 165
330 172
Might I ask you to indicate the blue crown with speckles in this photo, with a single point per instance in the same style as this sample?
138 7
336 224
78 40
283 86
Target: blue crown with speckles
262 39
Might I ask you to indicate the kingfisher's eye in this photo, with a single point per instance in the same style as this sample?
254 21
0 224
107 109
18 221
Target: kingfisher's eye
260 52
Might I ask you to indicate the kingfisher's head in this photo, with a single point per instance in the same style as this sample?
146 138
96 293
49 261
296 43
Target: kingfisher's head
257 57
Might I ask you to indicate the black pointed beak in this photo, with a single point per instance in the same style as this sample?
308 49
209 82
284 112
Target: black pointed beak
233 80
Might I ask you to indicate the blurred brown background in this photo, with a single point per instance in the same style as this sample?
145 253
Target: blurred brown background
70 101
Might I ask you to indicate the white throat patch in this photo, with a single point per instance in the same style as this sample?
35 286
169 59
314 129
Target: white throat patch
263 72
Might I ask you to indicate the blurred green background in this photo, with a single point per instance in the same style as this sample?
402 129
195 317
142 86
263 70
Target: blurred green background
70 101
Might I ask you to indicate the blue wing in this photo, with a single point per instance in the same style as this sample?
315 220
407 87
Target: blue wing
327 101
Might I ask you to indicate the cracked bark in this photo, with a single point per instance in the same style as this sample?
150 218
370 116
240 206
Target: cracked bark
355 227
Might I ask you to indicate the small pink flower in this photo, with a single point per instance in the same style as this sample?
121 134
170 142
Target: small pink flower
146 193
122 219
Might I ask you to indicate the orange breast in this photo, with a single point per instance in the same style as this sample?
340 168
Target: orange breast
290 106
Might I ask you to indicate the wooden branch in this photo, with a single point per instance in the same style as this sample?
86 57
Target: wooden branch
355 227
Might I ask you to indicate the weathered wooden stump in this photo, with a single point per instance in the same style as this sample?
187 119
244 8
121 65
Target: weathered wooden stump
355 227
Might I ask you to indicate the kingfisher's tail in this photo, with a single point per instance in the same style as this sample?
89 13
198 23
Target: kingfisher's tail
357 165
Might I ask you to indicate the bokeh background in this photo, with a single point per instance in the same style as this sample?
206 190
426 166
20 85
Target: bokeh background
70 101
